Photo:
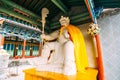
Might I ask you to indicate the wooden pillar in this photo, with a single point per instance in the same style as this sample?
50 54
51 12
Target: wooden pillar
1 41
99 59
24 46
40 49
31 51
15 50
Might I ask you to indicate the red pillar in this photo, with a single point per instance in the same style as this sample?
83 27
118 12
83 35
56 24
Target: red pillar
24 46
1 36
40 49
1 41
99 59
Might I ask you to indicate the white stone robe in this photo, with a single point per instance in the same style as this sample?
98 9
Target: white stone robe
62 59
55 63
69 60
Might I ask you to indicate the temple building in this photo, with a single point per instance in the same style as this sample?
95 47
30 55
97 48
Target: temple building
59 39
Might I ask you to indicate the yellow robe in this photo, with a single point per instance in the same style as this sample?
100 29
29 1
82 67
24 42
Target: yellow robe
81 57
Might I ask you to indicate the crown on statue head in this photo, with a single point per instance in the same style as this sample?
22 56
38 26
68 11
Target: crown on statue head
64 20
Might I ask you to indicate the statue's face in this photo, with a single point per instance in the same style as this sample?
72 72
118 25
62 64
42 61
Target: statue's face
64 36
64 23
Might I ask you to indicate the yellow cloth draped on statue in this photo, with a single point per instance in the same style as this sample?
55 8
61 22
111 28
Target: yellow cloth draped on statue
81 57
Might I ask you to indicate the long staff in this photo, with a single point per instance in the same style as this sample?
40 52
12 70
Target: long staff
44 13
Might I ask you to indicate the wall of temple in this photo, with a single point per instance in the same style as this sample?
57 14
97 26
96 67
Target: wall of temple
89 46
110 44
110 41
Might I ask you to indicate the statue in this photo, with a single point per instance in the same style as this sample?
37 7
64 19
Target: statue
67 55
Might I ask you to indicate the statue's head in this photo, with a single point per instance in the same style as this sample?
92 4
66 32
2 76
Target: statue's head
64 35
64 21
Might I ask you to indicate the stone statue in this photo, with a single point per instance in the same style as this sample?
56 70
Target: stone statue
63 56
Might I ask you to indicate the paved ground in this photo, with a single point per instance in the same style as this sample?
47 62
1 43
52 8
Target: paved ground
16 67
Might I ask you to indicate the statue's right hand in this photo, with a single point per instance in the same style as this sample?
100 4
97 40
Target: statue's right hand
43 36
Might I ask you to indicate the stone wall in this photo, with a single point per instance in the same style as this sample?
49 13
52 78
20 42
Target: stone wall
89 46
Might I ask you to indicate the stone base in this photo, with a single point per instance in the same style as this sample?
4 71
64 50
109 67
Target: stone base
32 74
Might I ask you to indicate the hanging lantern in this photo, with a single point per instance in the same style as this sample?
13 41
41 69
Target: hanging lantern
93 29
